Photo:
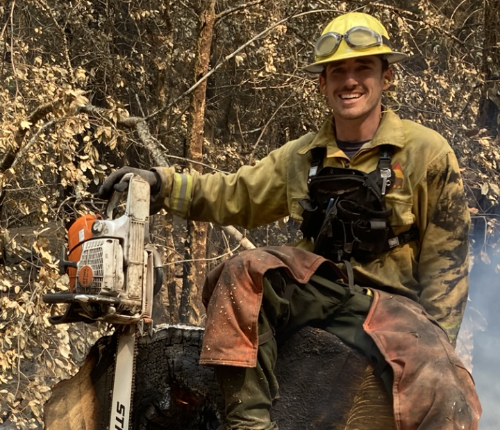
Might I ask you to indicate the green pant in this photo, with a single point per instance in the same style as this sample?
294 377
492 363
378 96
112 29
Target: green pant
286 308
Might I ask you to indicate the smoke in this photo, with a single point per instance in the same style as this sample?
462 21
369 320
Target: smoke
483 310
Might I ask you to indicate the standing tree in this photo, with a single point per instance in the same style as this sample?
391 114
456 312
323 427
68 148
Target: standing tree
190 310
489 105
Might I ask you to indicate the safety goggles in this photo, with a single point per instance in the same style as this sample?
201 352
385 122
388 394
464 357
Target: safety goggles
356 37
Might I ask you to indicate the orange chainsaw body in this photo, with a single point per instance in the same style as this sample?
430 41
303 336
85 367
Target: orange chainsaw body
79 232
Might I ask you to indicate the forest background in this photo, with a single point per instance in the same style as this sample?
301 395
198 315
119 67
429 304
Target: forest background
89 86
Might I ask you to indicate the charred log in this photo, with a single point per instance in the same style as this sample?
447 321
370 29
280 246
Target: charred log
324 385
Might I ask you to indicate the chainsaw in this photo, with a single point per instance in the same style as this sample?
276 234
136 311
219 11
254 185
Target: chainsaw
114 272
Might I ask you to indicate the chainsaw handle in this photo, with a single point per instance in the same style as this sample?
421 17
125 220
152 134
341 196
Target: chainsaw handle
119 189
158 273
157 268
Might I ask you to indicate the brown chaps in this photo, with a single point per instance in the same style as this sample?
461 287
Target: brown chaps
432 390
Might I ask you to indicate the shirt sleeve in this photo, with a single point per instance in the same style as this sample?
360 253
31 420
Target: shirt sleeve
444 256
251 197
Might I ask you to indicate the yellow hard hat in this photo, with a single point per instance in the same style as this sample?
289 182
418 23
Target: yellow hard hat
351 35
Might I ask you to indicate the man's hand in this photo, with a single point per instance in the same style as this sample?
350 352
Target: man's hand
110 184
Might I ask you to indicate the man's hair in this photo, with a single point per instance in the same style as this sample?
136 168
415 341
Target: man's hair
385 66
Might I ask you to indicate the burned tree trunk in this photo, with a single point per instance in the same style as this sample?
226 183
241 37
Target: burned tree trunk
323 385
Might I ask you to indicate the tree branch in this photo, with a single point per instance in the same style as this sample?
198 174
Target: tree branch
151 143
24 150
250 159
237 8
193 162
40 112
134 122
47 8
235 234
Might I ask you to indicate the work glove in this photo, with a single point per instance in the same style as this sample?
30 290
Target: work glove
160 180
112 182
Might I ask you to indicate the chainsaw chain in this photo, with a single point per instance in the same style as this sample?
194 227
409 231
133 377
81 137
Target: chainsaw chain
136 352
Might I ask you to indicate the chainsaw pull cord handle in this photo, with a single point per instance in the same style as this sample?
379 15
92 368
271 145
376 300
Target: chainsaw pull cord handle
119 189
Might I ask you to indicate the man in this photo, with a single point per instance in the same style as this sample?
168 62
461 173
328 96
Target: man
380 196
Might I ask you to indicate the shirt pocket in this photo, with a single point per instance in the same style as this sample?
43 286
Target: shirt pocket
402 214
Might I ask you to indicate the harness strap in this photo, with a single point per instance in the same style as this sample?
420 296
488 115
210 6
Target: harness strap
384 167
384 159
350 275
405 237
318 154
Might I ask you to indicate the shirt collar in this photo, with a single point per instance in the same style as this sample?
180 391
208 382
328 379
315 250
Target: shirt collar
389 132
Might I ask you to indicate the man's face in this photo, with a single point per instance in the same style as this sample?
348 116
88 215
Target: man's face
353 87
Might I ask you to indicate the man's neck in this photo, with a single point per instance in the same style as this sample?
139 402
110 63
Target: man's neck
356 130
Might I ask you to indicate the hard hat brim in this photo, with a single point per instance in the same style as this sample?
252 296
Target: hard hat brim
318 66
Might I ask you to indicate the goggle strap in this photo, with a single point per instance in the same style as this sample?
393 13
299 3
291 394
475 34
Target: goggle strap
386 41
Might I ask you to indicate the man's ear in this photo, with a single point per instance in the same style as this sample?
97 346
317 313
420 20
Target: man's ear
387 77
322 83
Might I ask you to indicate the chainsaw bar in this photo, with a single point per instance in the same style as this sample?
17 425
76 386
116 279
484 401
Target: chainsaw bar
123 385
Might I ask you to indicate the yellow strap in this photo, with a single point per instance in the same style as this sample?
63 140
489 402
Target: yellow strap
181 193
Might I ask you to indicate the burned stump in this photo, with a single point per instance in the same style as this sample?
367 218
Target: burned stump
323 385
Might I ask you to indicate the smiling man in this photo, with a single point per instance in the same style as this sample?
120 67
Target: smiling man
353 89
384 260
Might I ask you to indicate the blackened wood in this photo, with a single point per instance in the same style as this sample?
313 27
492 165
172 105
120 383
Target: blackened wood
323 385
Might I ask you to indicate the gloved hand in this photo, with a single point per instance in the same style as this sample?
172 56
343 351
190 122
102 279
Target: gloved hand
112 181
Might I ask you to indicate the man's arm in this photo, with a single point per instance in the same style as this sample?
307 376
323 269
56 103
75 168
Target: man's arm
443 263
253 196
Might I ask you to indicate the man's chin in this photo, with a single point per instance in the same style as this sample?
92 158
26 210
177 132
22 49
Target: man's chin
350 115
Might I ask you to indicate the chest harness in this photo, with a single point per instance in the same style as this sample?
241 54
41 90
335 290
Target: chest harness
345 214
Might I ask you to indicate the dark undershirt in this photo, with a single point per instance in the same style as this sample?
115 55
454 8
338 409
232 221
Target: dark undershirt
350 148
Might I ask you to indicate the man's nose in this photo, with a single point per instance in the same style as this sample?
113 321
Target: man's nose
350 79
